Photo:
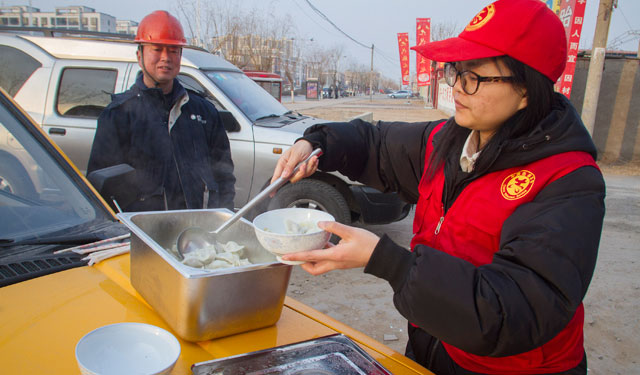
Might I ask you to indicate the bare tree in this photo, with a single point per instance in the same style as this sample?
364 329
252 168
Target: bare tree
444 30
248 39
317 60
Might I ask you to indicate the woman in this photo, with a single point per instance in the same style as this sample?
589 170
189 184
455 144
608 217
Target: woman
510 203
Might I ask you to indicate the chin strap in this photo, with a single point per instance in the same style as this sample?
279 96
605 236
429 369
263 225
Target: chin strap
144 69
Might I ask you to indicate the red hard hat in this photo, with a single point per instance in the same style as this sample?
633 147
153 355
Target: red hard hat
160 27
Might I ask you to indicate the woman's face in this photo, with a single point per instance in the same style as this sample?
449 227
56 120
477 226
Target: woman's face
493 103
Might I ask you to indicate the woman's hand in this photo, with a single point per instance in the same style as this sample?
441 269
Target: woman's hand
294 155
354 250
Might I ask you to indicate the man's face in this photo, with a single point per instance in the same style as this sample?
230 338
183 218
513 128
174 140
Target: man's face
161 62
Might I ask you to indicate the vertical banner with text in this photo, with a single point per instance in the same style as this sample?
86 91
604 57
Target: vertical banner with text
423 65
571 13
403 46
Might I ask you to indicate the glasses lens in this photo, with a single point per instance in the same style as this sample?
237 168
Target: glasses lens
469 81
450 74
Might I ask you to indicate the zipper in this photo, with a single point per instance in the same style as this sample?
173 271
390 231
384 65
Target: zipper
432 353
440 222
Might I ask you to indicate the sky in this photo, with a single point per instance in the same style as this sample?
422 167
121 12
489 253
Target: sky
367 22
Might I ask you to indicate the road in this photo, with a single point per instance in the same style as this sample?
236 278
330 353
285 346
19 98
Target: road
612 322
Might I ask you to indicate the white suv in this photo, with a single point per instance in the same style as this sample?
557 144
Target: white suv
64 83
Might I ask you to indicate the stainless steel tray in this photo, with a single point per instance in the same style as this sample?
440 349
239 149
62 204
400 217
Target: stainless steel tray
201 304
335 354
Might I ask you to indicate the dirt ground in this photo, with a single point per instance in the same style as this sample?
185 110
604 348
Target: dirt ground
612 304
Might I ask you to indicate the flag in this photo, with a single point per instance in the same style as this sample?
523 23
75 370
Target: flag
571 13
403 46
423 65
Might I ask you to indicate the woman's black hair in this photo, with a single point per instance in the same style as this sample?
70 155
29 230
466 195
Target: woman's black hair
539 92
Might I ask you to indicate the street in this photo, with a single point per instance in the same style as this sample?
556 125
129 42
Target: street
612 322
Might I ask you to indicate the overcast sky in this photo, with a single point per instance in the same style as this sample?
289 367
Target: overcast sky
367 21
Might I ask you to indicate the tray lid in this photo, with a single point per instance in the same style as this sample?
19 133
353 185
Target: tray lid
334 354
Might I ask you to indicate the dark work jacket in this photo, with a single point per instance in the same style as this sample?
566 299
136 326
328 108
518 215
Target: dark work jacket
539 277
176 143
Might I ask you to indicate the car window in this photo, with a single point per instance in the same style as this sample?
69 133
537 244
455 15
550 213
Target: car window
37 197
17 67
253 100
85 92
192 84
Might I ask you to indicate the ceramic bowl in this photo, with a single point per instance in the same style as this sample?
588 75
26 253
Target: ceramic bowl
127 348
279 231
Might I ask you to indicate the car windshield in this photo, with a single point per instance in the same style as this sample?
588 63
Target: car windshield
254 101
38 198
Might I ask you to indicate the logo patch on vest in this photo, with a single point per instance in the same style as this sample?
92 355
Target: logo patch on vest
517 185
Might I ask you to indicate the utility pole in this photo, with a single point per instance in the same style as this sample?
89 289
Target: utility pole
596 65
371 77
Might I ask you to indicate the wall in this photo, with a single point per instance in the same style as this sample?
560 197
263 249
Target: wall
617 127
445 101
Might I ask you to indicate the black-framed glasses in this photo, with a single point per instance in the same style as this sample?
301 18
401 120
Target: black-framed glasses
469 80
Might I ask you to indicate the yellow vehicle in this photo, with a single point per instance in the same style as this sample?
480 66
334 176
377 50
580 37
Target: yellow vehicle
50 300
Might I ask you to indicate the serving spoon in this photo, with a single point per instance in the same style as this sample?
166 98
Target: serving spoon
194 238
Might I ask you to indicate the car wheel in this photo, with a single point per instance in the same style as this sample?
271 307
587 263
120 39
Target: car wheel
313 194
14 179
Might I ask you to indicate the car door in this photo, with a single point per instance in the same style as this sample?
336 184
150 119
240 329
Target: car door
78 93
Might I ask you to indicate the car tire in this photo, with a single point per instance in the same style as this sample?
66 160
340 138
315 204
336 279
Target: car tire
14 179
314 194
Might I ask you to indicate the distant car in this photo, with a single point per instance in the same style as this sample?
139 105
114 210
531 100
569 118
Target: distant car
400 94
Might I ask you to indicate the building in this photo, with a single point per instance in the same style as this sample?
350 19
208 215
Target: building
70 17
126 27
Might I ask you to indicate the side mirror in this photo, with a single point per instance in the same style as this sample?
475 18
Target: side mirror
230 123
115 183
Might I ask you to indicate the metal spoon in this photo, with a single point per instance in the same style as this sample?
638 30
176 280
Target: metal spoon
195 238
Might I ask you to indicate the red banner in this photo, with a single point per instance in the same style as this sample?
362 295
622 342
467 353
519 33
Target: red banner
423 65
571 13
403 46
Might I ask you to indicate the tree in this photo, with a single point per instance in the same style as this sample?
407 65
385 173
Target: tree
248 39
444 30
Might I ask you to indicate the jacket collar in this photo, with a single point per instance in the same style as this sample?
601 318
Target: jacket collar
175 94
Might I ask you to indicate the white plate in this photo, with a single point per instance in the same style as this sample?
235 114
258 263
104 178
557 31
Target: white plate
127 348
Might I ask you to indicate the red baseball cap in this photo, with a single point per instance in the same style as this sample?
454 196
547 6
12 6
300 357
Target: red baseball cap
526 30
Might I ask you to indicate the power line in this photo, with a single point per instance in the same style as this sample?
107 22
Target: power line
311 18
334 25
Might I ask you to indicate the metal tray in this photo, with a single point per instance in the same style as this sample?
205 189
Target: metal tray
200 304
335 354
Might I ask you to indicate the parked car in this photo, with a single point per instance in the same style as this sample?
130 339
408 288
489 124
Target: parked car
400 94
64 83
50 300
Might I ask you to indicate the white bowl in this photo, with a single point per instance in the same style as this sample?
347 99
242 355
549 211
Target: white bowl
127 348
273 230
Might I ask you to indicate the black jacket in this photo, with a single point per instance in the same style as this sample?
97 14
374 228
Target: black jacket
390 156
178 166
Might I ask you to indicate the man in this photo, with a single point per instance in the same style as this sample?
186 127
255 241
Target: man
174 139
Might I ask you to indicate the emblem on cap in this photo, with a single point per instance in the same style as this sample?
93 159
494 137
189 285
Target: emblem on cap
481 18
517 185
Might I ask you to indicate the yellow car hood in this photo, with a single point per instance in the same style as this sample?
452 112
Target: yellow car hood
42 319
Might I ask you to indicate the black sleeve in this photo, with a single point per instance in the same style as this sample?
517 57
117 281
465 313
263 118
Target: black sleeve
221 162
388 156
529 292
108 148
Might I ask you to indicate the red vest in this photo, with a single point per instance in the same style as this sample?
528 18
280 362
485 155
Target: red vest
471 230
